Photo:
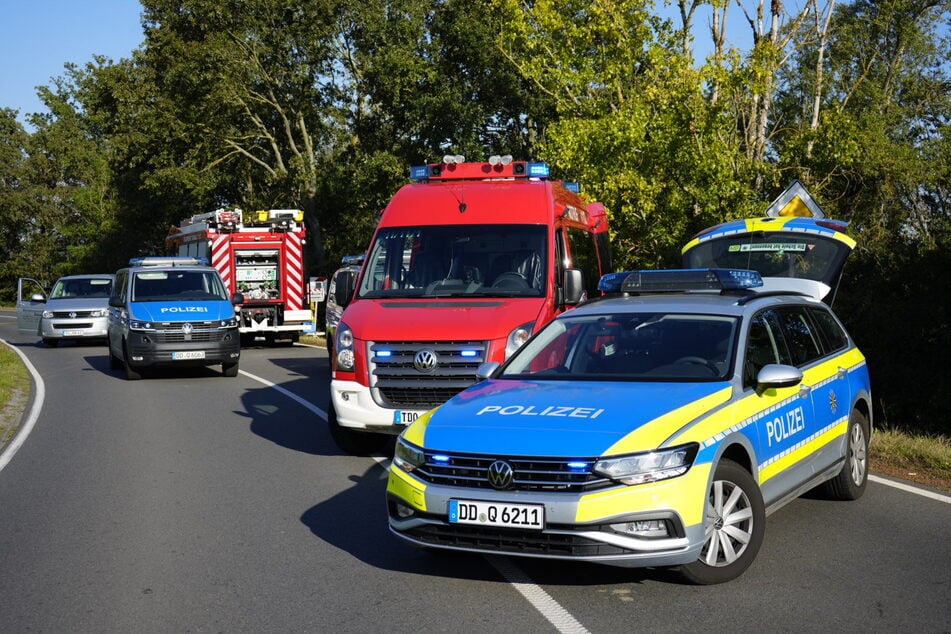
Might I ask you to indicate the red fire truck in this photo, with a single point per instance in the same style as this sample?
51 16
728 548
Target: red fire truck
465 264
260 255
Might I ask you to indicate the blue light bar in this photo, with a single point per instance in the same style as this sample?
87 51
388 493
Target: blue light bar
578 466
419 172
438 457
572 186
168 260
386 354
680 280
538 170
469 353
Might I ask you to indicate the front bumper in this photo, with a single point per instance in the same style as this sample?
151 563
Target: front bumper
577 525
146 349
78 328
356 409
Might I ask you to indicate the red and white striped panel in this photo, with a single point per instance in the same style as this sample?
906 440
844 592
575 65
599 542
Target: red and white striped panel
294 266
221 259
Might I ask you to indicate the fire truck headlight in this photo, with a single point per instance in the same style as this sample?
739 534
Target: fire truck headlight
345 359
517 337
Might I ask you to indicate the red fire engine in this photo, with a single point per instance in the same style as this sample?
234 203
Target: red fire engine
260 255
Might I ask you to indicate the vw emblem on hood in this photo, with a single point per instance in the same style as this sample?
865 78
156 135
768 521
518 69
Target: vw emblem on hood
187 328
501 475
425 360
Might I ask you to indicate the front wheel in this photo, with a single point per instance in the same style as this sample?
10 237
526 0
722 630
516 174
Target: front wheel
849 483
229 369
734 526
50 343
352 441
131 373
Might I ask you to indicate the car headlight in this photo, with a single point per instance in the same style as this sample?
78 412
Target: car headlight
517 337
408 457
47 314
648 467
344 346
231 322
102 312
135 324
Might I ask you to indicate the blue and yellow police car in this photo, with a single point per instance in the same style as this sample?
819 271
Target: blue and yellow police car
659 425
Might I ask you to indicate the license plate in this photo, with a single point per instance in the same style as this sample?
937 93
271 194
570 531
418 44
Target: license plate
72 333
188 354
401 417
509 515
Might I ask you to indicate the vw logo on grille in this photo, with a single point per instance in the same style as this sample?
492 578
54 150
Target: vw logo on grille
425 360
187 328
72 314
501 474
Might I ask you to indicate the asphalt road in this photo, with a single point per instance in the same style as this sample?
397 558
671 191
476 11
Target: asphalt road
191 502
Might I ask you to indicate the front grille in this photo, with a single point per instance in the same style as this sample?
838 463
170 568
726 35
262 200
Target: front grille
572 475
507 540
72 314
400 382
201 332
71 325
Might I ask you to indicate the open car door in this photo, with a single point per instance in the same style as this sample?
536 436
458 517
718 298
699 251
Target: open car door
31 301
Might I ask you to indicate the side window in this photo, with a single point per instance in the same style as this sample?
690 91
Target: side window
584 256
120 286
764 345
829 329
800 336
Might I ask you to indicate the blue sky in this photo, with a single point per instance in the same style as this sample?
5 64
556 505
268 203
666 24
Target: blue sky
37 37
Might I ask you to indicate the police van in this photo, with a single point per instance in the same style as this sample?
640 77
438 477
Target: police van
172 311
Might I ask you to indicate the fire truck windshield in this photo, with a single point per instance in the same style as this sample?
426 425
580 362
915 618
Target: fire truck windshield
457 260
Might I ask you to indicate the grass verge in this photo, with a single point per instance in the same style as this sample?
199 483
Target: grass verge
925 460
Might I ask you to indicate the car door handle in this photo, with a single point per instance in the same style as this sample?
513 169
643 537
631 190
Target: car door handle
804 390
841 373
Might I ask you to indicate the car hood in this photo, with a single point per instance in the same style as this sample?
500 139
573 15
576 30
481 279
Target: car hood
77 304
440 318
562 418
182 311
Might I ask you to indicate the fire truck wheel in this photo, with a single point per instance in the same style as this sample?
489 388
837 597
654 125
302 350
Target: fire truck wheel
229 369
357 443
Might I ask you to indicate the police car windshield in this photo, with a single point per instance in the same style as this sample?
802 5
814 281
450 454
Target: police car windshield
457 261
177 285
630 347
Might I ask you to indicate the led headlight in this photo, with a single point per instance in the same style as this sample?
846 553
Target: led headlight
517 337
135 324
648 467
102 312
407 457
231 322
345 358
47 314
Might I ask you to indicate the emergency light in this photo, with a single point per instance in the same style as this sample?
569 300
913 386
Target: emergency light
171 260
496 167
679 280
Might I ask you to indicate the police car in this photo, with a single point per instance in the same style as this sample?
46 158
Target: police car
657 426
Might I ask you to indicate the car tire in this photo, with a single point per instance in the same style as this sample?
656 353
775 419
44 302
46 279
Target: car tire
50 343
734 526
115 362
229 369
351 441
849 483
131 373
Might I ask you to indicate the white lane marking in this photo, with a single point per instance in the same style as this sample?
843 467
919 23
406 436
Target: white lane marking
288 394
540 600
6 454
910 489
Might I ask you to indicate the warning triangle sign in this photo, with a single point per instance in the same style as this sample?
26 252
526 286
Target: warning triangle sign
795 201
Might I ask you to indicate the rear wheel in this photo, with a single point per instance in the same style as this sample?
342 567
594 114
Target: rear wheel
850 482
734 525
358 443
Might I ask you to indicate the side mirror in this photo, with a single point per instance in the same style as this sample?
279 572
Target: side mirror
237 298
573 286
487 369
115 301
773 375
344 287
38 297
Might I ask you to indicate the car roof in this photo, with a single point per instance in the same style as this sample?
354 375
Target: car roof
89 276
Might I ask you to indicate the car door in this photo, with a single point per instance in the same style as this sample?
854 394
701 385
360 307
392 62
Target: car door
31 301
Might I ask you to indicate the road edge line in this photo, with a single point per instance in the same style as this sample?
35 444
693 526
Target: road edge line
294 397
36 404
910 489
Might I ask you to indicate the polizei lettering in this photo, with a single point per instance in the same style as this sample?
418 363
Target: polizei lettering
184 309
783 427
551 410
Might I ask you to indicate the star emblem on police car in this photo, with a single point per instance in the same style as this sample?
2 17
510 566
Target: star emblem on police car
833 401
501 475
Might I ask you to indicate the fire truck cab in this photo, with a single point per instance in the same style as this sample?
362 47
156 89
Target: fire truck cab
466 263
260 255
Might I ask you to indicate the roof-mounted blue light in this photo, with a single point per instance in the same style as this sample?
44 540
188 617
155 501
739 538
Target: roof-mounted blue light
168 260
680 280
538 170
572 186
419 172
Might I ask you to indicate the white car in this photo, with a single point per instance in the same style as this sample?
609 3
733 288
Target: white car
76 308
